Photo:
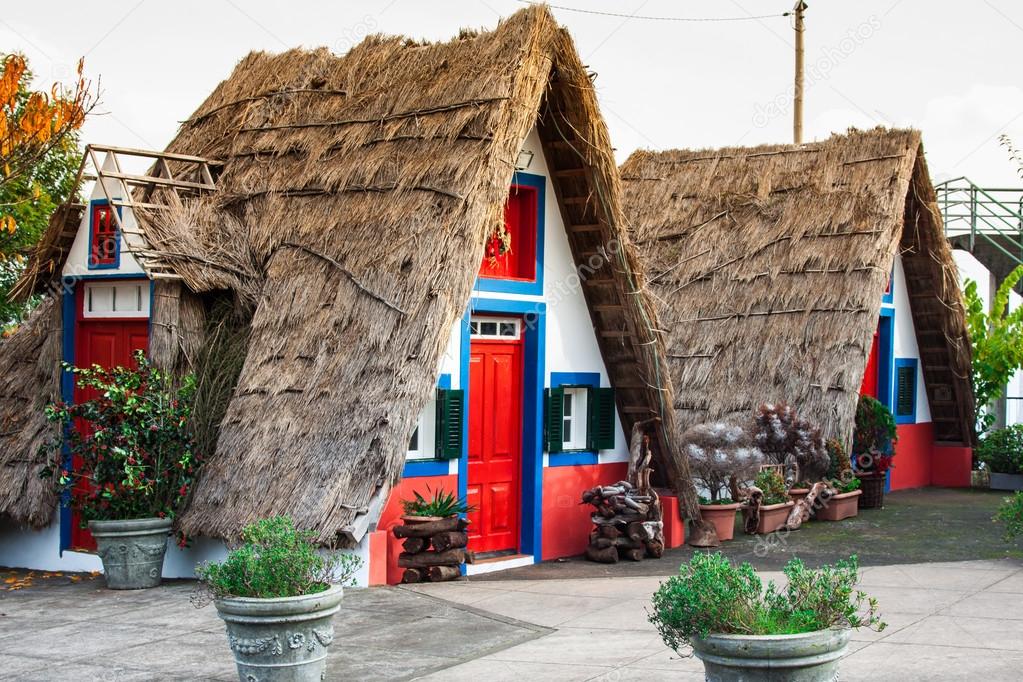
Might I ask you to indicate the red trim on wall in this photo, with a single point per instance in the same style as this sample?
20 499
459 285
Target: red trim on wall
674 525
912 463
391 517
951 466
566 523
378 557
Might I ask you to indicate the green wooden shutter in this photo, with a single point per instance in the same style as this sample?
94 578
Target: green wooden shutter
905 392
601 406
554 424
450 415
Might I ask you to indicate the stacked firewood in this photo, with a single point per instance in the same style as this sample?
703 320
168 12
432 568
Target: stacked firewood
627 522
434 550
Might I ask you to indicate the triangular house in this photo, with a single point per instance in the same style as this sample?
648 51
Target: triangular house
809 273
407 248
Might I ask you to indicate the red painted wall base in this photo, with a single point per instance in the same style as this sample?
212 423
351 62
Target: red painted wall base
674 527
921 462
566 522
951 466
388 551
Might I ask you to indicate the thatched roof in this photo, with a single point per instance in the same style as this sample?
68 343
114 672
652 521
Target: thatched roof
29 379
768 266
354 195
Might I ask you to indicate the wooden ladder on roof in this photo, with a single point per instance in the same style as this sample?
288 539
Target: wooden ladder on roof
191 176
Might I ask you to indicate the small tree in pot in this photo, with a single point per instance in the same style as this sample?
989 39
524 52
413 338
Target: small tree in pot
786 438
742 632
873 449
722 458
278 594
125 460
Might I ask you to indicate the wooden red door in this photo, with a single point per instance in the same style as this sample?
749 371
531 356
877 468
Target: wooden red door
107 343
495 444
870 382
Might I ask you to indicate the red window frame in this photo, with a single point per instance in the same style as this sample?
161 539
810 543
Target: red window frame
104 240
521 216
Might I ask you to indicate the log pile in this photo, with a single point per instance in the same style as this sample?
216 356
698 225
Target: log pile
627 518
434 550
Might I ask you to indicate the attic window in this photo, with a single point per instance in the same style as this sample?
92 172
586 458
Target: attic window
510 251
104 244
905 390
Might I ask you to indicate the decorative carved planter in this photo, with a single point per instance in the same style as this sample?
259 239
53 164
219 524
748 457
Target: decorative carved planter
723 518
806 657
132 551
772 516
838 507
281 640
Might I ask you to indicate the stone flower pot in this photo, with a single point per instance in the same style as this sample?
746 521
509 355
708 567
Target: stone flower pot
132 551
772 516
1006 481
723 518
281 640
838 507
806 657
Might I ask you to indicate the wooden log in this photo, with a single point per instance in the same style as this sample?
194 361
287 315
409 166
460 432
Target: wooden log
609 531
439 574
601 543
415 545
655 549
702 534
412 575
637 530
425 530
451 557
608 555
450 539
633 553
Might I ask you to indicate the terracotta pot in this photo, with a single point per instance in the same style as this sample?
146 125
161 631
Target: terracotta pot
798 493
839 507
723 518
416 520
772 516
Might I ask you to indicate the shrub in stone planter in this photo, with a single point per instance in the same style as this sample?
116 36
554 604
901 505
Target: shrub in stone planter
278 593
743 632
1001 452
722 457
125 460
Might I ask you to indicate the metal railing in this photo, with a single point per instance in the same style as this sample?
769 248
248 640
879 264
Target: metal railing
984 213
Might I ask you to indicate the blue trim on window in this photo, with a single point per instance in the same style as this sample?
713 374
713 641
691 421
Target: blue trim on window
444 381
535 329
885 356
907 362
511 286
117 242
67 394
417 468
573 457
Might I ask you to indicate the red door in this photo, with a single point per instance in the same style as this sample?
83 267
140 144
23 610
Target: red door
495 444
108 343
869 385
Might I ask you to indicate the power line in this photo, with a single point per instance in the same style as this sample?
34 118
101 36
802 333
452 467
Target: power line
647 18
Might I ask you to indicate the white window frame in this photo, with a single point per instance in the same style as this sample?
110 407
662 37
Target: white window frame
127 287
476 323
578 396
427 425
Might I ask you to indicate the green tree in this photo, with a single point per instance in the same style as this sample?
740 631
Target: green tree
997 338
37 177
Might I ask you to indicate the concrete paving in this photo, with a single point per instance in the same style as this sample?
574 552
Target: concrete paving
947 621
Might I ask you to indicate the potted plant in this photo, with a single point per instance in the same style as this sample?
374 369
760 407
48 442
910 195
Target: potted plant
1001 453
799 491
277 594
743 632
771 510
125 460
791 441
721 456
440 506
874 439
840 501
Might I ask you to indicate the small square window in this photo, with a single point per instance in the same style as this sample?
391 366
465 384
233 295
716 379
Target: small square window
574 419
495 328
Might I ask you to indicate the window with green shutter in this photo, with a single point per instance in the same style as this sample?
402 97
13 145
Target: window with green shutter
579 418
450 417
554 419
905 390
601 433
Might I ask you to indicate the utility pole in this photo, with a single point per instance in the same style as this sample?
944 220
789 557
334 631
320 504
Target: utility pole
797 98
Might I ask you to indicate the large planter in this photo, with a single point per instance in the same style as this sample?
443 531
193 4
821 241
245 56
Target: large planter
281 640
1006 481
872 486
132 551
772 516
723 518
807 657
838 507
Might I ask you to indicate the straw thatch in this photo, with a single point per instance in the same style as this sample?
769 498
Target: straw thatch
29 379
768 266
354 195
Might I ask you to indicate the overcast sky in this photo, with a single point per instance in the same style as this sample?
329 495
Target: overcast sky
948 67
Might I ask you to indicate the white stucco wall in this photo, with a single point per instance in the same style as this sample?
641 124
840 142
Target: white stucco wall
904 340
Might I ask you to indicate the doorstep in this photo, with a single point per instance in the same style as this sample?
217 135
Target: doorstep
498 563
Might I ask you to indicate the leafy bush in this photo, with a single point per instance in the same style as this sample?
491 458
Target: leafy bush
276 560
874 433
786 438
720 454
772 485
845 485
1002 450
131 443
838 457
439 504
712 595
1011 514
